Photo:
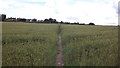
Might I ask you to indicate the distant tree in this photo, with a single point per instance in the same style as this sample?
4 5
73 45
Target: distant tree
40 21
21 20
2 17
61 22
52 20
82 24
18 19
91 23
76 23
34 20
67 22
46 21
11 19
28 20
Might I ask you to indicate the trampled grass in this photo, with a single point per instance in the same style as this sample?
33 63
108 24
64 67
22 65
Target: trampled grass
90 45
26 44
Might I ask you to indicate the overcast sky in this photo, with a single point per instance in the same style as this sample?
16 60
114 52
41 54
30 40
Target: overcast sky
100 12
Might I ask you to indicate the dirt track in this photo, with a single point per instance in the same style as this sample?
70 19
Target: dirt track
59 57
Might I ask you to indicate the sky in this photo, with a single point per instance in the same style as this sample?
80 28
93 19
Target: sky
100 12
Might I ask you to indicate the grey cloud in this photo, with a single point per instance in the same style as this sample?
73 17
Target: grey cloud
72 18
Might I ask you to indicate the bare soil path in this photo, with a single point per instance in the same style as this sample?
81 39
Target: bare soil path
59 57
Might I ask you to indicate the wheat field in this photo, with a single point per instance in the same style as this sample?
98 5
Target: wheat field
33 44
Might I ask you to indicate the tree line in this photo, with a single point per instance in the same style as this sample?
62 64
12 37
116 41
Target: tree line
50 20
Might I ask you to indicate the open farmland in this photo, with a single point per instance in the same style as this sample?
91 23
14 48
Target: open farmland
32 44
90 45
26 44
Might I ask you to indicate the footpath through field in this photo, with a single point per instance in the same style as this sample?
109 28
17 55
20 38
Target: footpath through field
59 57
